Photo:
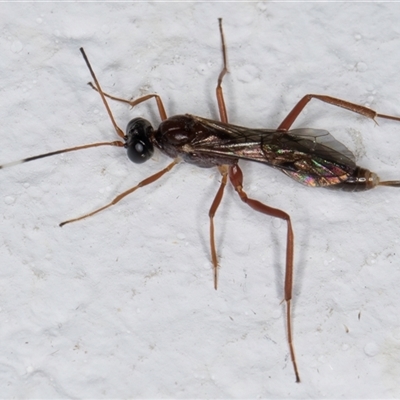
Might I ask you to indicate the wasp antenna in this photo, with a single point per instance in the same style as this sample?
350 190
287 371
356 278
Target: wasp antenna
116 143
103 98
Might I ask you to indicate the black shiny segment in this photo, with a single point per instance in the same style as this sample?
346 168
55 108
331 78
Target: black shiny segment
138 140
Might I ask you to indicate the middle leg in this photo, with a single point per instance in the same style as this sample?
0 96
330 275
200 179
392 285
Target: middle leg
223 169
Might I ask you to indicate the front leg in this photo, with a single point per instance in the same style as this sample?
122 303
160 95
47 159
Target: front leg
133 103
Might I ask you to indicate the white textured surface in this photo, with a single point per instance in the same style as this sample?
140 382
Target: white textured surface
122 304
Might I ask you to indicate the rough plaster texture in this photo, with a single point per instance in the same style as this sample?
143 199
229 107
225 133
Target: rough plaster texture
122 305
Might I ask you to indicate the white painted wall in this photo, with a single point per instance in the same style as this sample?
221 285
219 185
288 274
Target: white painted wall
122 305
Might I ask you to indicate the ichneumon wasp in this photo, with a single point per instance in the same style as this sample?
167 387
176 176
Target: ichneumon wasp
311 157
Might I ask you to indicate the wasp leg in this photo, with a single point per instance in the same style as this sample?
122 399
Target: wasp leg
236 177
356 108
220 96
223 169
133 103
144 182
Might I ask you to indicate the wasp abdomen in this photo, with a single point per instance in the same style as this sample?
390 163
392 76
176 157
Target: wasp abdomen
361 180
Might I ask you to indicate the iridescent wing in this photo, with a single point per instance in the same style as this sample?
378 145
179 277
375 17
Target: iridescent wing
310 156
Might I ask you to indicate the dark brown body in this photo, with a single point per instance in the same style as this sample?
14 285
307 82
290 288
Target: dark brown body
311 157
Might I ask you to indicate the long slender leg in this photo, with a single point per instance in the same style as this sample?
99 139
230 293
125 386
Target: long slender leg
144 182
236 177
356 108
116 127
132 103
223 169
135 102
219 92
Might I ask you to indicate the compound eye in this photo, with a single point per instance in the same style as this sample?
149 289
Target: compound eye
138 142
